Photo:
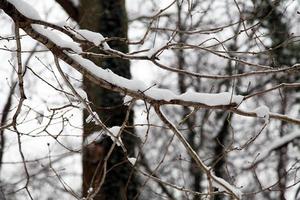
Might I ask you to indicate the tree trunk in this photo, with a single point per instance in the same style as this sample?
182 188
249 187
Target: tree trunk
220 158
109 18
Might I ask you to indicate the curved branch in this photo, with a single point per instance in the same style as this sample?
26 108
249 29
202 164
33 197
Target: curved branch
114 83
219 181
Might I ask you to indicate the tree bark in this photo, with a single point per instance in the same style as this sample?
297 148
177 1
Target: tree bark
109 18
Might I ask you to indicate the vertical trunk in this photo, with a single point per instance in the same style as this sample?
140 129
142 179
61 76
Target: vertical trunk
109 18
220 159
5 113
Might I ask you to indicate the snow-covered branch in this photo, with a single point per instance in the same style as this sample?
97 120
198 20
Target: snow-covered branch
276 144
209 132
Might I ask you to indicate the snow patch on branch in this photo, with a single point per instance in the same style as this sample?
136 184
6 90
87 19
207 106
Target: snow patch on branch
76 3
26 9
112 132
209 99
263 112
223 98
154 51
114 135
94 137
127 99
56 38
82 94
132 160
279 142
91 36
93 118
223 186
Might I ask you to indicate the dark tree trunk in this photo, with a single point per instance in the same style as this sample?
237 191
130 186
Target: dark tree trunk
5 113
109 18
220 158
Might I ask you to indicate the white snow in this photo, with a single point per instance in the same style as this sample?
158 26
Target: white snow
91 36
94 137
132 160
113 134
217 181
263 112
57 39
75 2
40 116
108 75
90 190
93 118
154 50
82 93
209 99
26 9
276 144
160 94
127 99
223 98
